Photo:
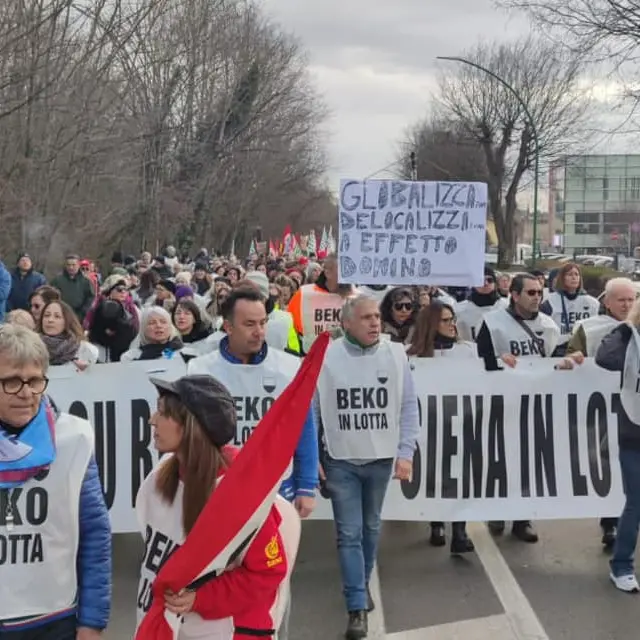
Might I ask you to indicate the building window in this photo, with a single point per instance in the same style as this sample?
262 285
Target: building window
605 188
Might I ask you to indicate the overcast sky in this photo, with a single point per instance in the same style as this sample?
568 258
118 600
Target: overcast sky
374 64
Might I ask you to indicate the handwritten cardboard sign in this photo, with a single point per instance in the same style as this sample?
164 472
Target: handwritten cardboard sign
399 233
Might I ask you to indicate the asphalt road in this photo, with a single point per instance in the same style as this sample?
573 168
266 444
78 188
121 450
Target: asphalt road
557 589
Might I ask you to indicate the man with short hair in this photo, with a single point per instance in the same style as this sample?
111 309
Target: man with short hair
75 289
24 281
368 411
256 375
619 296
509 334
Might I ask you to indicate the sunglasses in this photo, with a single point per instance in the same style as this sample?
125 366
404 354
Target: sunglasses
120 289
489 280
533 292
403 306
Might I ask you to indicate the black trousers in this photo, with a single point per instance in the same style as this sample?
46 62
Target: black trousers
64 629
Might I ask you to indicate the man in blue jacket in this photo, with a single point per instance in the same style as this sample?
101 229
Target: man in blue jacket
5 289
256 375
24 282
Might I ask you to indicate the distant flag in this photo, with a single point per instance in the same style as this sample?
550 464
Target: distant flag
287 241
312 246
324 241
297 248
252 249
331 241
272 249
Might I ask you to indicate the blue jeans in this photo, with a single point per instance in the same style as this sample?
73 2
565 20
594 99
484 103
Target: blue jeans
357 493
629 522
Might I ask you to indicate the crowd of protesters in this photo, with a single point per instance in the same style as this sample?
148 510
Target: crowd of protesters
237 325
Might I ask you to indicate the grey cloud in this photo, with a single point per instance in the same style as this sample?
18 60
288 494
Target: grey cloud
375 64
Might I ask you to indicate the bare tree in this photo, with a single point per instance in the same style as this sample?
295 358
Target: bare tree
132 124
547 79
444 151
601 27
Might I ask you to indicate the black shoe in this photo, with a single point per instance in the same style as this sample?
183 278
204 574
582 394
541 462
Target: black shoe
609 538
496 527
525 532
462 544
437 538
357 627
371 605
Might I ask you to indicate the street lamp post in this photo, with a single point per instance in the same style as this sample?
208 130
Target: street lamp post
536 169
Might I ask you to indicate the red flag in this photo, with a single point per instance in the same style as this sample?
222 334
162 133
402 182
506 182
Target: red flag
244 496
288 240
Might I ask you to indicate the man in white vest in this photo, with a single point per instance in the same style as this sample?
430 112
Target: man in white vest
509 334
55 537
481 301
256 375
368 409
619 296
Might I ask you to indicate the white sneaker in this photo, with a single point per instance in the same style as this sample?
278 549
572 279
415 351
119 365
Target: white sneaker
628 583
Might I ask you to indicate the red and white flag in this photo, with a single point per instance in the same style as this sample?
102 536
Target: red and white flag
245 497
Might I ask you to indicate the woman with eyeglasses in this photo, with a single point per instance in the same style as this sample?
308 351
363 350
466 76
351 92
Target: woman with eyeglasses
436 336
64 338
398 311
58 583
471 311
113 322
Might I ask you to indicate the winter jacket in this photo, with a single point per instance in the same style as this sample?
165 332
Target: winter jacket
5 290
77 292
22 286
94 554
611 355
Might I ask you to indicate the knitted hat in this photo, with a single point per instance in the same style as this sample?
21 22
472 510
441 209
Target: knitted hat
260 280
169 285
208 400
183 291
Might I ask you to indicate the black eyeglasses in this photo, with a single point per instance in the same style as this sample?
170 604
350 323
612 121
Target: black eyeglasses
448 320
400 306
13 386
533 292
489 280
120 289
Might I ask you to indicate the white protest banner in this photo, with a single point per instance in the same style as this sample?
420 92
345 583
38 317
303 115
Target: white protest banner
533 443
118 400
412 233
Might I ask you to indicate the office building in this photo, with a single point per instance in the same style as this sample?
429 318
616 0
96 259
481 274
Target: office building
597 199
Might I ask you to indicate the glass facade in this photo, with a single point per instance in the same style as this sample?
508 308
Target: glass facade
600 202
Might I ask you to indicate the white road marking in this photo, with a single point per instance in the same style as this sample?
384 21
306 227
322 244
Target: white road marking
523 619
487 628
377 629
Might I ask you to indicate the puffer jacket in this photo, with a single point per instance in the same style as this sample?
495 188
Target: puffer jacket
94 554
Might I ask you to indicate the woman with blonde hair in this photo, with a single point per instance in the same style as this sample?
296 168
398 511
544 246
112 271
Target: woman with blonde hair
158 337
